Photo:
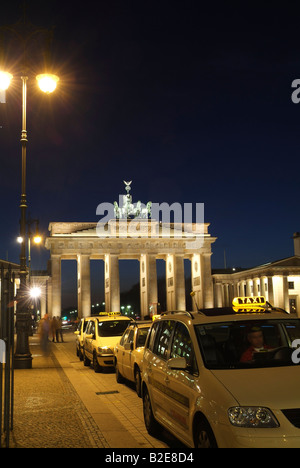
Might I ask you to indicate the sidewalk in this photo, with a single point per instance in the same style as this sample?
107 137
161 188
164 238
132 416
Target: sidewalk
56 406
48 412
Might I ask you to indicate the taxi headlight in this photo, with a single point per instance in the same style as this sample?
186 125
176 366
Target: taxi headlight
105 350
252 417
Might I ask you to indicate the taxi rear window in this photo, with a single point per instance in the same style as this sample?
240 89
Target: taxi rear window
142 336
236 345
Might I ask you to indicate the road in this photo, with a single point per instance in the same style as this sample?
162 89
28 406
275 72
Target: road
121 408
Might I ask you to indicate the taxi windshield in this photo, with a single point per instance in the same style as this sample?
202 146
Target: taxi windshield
112 327
237 345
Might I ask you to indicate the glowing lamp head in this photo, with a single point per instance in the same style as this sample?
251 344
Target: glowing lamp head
37 239
5 79
35 292
47 82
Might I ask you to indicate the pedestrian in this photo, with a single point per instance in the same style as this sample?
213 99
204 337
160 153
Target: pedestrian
44 329
59 331
54 329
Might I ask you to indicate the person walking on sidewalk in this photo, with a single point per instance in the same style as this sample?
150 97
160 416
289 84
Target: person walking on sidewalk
54 325
59 331
44 329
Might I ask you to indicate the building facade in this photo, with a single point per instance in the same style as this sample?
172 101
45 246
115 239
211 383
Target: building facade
278 281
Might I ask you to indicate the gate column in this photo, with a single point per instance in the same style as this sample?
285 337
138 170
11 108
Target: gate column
148 283
175 282
112 283
56 285
208 292
84 286
196 281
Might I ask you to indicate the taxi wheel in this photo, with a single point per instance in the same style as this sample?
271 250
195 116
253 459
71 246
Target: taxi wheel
96 366
138 382
204 436
86 361
151 424
79 354
119 377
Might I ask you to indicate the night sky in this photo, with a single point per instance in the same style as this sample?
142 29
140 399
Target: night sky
190 100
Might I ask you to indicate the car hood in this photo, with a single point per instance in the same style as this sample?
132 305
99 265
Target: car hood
272 387
109 341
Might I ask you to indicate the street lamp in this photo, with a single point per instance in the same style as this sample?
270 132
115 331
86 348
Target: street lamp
23 358
5 79
37 239
47 82
35 292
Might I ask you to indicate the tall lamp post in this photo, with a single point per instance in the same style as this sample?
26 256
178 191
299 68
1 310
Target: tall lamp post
37 239
23 357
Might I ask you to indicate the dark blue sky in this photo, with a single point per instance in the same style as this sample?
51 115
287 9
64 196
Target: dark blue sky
190 101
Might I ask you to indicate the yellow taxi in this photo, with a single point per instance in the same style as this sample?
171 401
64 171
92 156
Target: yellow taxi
101 335
129 353
225 378
79 337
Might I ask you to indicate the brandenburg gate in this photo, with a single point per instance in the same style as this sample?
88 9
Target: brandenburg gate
138 238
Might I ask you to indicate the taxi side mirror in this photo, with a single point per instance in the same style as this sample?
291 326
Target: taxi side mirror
77 333
89 336
177 363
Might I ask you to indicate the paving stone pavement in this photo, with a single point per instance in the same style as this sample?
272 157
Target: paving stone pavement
48 412
60 403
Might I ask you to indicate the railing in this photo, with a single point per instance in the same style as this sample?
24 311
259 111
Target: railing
7 286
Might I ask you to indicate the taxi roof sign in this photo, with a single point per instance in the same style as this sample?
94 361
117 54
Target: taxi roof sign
106 314
251 302
154 317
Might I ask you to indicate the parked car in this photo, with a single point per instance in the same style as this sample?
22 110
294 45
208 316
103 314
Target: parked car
101 336
224 378
129 353
79 337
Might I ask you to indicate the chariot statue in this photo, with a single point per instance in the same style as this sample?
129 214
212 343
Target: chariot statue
129 210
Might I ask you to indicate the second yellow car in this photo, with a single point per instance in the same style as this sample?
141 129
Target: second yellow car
129 353
101 336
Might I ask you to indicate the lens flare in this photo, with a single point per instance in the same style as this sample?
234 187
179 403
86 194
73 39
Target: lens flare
5 79
47 83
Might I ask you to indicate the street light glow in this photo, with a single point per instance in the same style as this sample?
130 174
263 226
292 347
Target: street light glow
35 292
5 79
37 239
47 82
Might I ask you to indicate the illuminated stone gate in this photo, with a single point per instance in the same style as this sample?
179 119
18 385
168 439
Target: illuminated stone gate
173 243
